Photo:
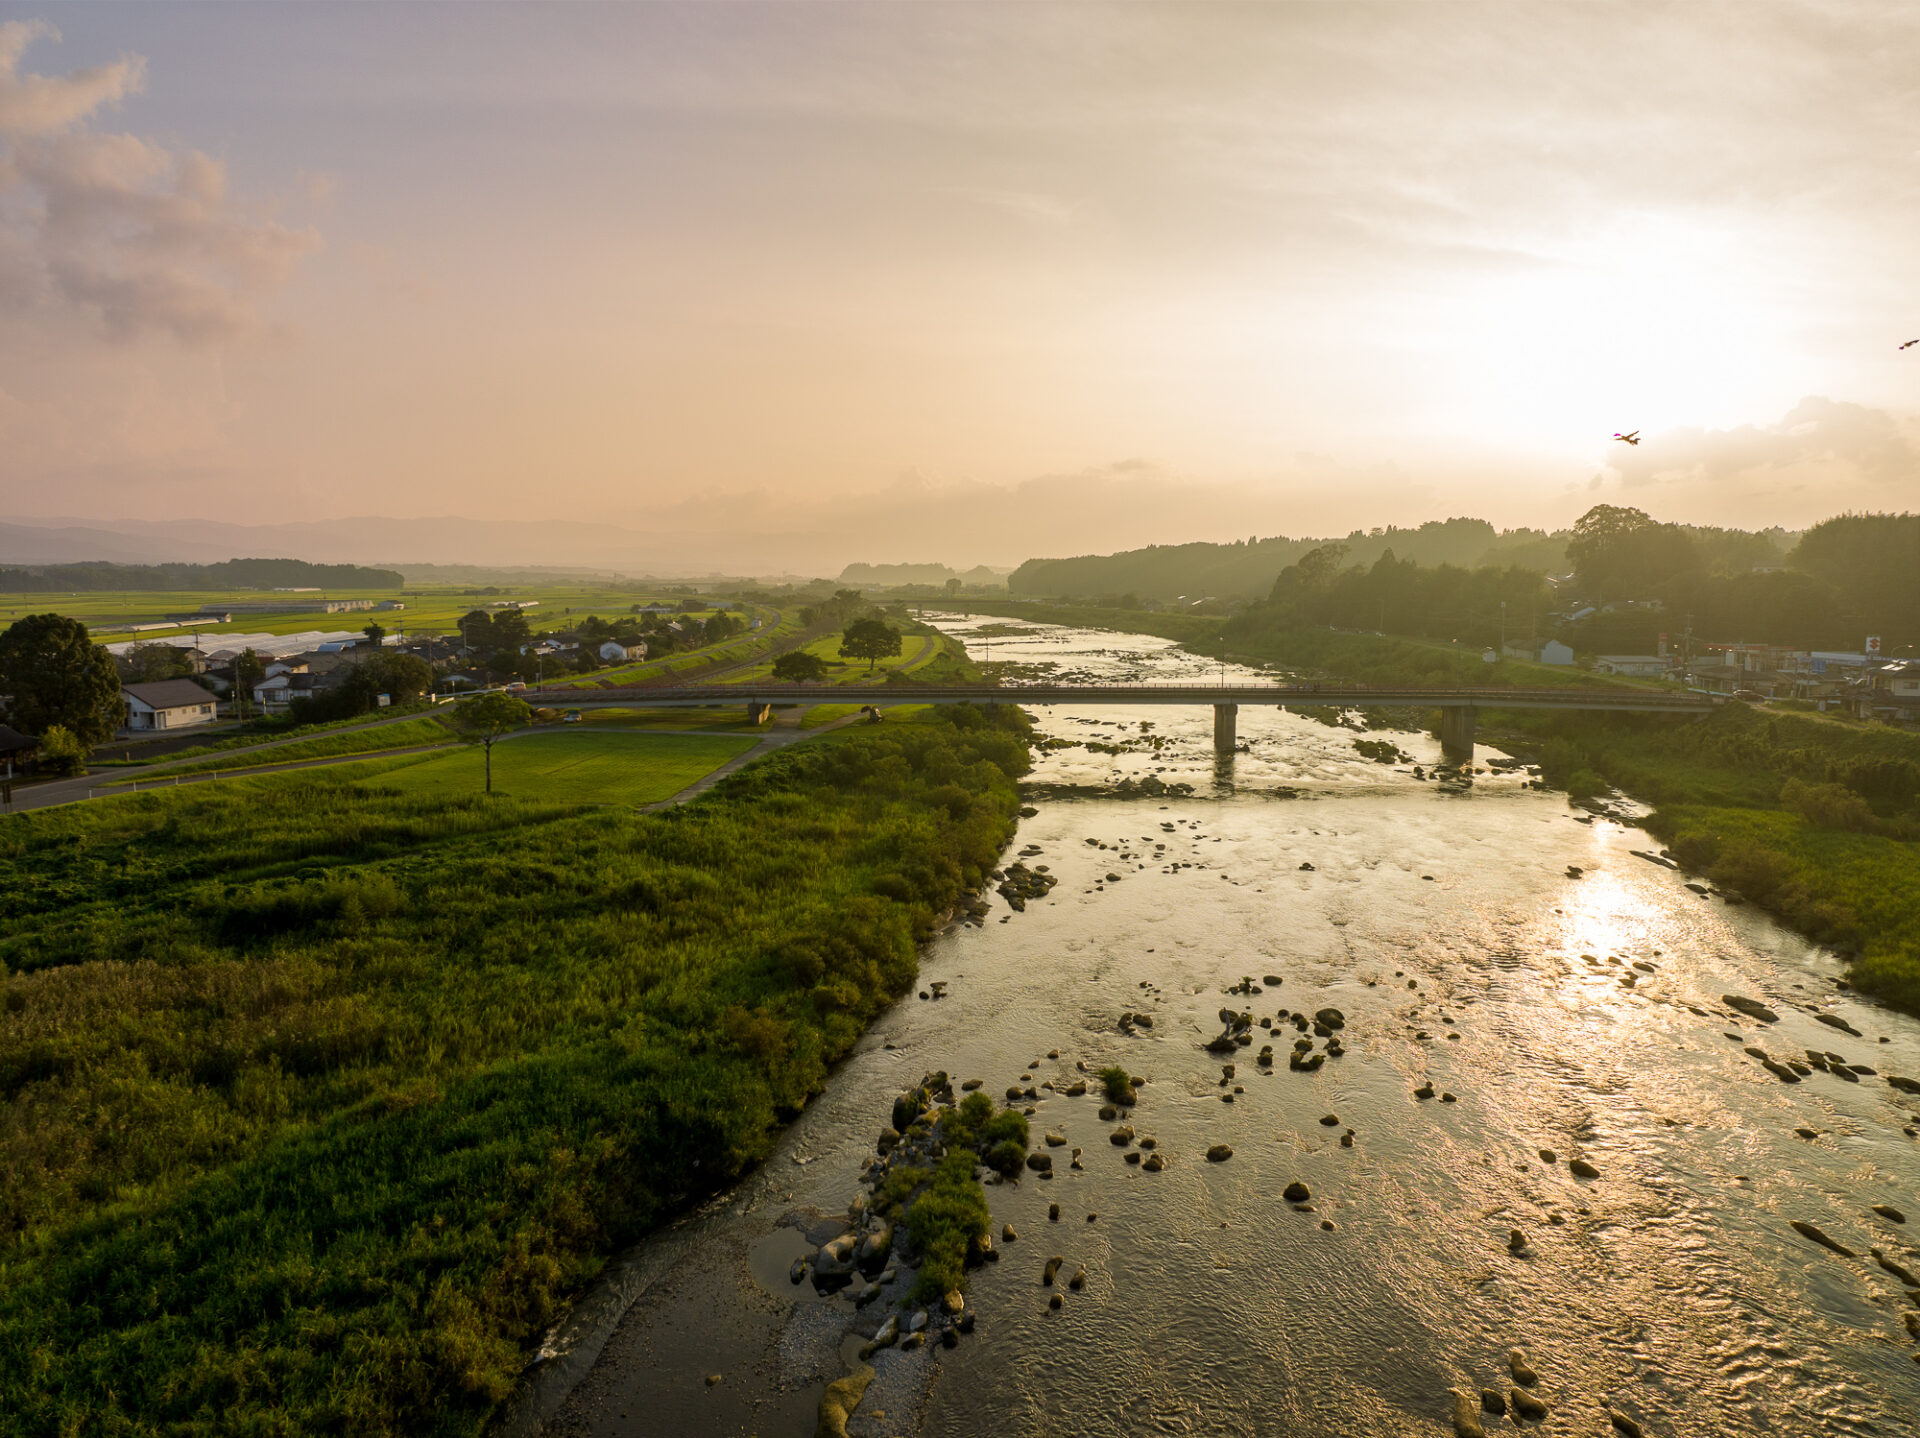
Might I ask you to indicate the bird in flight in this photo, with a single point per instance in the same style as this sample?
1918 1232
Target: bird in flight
1910 344
1633 438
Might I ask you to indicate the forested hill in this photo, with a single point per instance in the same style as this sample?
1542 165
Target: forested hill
228 574
1246 568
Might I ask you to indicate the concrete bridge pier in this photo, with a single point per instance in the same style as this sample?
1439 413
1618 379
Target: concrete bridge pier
1456 732
1225 723
758 712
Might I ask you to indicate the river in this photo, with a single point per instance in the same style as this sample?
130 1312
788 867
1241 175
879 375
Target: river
1571 1017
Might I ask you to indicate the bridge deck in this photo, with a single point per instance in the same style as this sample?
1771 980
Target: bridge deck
1285 696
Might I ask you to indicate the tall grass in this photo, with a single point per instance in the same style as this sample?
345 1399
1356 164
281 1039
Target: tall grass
321 1099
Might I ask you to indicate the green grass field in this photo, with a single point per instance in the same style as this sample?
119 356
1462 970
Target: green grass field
731 717
429 610
579 766
319 1101
427 729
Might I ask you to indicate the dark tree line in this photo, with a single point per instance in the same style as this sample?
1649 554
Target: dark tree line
241 573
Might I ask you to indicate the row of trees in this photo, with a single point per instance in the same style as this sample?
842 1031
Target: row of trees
1847 577
1398 596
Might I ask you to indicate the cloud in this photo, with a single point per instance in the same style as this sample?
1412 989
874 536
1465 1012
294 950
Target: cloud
137 238
42 104
1849 441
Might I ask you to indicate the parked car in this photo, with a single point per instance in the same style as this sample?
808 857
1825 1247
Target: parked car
572 716
1752 696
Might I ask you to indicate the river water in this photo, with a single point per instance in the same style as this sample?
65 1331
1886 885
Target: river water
1582 1017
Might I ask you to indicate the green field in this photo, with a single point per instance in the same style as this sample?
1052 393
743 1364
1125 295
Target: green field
429 610
573 766
319 1101
731 716
369 739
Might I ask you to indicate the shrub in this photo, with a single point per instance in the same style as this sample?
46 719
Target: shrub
1830 806
1006 1157
948 1217
61 752
1118 1084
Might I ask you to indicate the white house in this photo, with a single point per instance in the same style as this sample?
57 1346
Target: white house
167 704
1633 666
613 649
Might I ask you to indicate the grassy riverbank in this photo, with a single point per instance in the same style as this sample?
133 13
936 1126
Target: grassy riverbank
321 1098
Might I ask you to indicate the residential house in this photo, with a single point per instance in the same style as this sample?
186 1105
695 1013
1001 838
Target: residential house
1633 666
1892 692
168 704
1552 652
614 650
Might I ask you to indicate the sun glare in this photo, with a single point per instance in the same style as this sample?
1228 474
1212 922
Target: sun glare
1656 324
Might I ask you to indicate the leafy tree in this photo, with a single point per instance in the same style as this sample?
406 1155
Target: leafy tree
248 670
476 628
488 717
151 661
376 634
953 587
59 752
54 674
1620 553
799 667
510 629
871 640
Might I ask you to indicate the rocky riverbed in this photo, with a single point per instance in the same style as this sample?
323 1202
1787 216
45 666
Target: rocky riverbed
1433 1081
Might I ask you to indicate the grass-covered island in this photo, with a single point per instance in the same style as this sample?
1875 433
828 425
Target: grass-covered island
322 1097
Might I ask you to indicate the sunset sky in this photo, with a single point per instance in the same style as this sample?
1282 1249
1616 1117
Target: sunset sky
958 282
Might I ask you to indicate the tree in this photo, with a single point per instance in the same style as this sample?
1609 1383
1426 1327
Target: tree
871 640
247 672
1620 553
799 667
59 752
54 674
487 717
476 628
953 587
376 634
151 660
510 629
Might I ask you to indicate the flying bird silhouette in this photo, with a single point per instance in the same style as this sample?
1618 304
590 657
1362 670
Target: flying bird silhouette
1633 438
1910 344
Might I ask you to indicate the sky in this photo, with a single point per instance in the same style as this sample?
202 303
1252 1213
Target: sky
962 283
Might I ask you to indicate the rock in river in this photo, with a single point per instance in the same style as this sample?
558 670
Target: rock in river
1526 1405
1752 1008
1466 1418
838 1402
1812 1232
1219 1153
1040 1162
1296 1192
1521 1370
1580 1168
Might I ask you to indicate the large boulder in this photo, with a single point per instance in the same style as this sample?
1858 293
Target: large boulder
843 1395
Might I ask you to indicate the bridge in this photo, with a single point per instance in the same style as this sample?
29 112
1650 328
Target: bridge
1459 707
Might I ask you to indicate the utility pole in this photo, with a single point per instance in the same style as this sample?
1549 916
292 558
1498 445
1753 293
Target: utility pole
1503 626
